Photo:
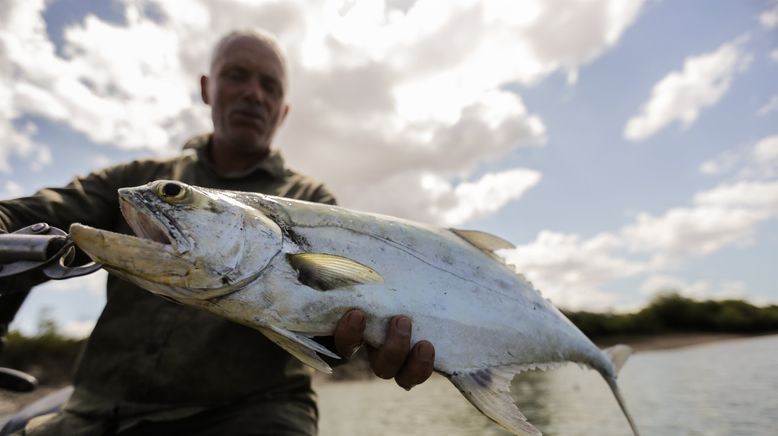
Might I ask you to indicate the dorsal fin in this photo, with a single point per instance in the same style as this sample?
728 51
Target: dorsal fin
485 242
327 271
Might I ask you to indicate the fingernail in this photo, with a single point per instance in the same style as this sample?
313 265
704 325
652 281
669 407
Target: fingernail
353 351
356 320
426 352
403 326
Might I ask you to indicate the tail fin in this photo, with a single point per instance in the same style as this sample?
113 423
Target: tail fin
618 354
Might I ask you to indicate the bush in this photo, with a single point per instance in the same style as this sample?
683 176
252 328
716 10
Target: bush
673 313
49 356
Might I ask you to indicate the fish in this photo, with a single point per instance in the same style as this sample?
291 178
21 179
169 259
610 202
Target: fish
290 269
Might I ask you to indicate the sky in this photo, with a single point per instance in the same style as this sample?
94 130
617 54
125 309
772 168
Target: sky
625 147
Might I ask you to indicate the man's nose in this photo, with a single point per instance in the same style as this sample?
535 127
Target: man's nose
254 91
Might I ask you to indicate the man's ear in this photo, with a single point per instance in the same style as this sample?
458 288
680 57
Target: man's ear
284 114
204 89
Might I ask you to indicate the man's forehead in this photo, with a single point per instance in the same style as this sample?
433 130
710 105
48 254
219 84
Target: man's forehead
246 48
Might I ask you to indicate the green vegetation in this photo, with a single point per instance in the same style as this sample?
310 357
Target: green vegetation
49 355
672 313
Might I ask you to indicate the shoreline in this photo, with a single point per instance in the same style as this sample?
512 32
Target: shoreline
669 341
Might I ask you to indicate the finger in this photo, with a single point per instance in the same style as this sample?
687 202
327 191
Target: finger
348 333
387 359
418 368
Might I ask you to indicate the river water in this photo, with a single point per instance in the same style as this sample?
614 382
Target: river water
723 388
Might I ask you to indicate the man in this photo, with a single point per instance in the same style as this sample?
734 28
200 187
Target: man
154 367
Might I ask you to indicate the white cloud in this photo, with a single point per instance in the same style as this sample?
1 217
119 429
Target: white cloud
490 193
569 270
12 189
78 329
115 84
682 95
768 107
101 161
723 163
572 270
17 141
766 150
774 55
660 283
759 161
364 75
758 197
685 232
698 290
724 216
93 284
769 18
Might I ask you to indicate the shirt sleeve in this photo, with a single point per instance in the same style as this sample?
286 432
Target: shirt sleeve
90 200
322 195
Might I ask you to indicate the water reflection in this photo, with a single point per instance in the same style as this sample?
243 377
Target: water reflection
530 389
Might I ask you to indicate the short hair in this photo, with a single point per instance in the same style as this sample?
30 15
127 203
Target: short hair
265 37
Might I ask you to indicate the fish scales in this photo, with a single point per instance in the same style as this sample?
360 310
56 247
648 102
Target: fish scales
291 269
360 236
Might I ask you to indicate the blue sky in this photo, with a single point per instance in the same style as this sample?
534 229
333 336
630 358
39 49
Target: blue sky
624 147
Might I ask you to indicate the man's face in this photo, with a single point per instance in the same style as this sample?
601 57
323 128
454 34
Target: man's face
246 92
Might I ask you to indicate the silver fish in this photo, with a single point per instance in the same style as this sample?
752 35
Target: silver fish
291 269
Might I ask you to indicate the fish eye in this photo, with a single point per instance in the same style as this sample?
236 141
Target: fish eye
171 189
172 192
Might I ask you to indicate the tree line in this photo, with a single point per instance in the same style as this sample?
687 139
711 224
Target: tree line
673 313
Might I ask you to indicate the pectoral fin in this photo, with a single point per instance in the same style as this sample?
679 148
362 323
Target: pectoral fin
488 389
326 271
301 347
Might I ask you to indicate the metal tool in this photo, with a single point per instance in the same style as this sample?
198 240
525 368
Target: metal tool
40 247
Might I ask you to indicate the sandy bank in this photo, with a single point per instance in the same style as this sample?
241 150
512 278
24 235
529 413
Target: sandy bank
670 341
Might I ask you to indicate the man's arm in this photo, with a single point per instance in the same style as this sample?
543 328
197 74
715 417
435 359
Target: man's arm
91 200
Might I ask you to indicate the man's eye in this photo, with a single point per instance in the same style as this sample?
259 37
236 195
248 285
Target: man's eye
272 87
236 74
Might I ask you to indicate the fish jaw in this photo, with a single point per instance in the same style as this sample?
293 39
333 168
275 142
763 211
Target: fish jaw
143 261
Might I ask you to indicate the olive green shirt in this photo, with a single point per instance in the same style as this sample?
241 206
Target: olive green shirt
150 357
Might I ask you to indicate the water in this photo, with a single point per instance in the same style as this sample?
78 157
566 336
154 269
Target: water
725 388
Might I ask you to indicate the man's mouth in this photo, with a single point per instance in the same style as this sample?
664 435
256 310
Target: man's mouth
249 116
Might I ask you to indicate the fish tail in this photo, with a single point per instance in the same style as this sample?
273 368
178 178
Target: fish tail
615 388
618 354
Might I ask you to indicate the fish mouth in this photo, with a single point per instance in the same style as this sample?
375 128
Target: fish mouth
143 226
151 223
156 254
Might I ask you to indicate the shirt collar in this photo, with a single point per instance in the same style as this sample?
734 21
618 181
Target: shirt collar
272 165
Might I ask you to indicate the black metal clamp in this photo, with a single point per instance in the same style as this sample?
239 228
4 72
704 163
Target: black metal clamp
40 246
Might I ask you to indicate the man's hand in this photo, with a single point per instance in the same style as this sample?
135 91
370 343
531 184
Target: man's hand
395 358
